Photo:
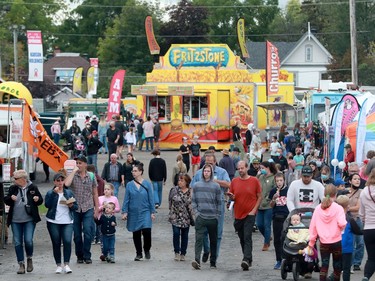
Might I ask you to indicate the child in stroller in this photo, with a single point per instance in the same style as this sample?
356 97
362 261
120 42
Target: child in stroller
79 146
295 234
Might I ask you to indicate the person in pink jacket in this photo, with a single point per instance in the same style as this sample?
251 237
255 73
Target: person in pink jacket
327 223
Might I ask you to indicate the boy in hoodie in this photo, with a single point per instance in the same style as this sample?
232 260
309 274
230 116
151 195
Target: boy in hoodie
347 238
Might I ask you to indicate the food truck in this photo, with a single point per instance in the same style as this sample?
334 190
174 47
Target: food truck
203 89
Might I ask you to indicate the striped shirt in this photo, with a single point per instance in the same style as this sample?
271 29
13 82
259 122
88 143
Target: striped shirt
206 199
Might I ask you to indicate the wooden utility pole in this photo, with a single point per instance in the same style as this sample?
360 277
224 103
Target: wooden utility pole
353 42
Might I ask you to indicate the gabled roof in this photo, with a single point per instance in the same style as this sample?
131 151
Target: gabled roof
257 50
66 90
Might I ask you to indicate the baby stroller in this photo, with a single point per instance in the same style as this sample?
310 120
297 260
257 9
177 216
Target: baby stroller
79 146
293 261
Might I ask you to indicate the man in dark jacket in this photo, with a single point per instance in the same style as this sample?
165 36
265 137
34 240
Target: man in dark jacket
157 172
227 163
93 146
254 167
112 173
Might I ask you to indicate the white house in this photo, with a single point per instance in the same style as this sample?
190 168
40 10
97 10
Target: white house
307 59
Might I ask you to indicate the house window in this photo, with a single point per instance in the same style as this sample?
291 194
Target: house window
308 53
64 76
159 107
195 109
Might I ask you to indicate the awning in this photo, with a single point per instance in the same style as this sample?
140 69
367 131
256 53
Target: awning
276 105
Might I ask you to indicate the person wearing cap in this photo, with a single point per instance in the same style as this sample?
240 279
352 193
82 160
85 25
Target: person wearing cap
195 149
305 192
84 186
340 185
227 163
157 172
254 167
94 122
349 157
59 217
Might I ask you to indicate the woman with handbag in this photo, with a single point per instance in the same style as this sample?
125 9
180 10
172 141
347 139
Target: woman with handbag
367 214
180 215
139 211
23 198
61 205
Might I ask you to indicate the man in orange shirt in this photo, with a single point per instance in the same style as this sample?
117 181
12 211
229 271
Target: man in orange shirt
246 193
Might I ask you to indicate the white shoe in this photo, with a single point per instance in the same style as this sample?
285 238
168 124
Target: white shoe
67 269
59 270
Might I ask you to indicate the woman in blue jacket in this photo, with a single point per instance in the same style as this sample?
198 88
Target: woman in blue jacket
61 205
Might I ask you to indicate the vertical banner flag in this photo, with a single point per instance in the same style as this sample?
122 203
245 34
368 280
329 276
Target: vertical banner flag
77 80
35 134
338 114
361 133
115 91
35 47
95 63
241 37
152 43
90 82
272 69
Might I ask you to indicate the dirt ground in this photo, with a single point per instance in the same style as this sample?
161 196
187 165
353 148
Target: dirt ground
162 265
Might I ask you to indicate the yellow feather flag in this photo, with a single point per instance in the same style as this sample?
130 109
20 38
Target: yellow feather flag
241 37
77 80
90 79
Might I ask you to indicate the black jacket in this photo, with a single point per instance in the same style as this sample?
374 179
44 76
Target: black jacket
106 226
93 145
107 172
32 191
157 170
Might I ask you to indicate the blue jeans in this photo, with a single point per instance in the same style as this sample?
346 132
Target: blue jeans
180 239
220 226
103 139
109 245
116 184
23 233
59 232
158 191
83 224
359 246
263 221
56 138
151 141
93 159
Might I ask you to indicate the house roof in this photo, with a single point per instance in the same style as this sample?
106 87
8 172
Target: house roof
257 50
63 60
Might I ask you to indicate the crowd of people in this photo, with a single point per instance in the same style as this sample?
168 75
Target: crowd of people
262 189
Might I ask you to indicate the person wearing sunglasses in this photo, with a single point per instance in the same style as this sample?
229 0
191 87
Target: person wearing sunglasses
61 205
23 198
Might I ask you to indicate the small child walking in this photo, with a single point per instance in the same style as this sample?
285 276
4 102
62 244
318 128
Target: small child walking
347 238
108 224
327 223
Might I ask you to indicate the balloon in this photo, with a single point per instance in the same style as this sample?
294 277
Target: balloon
334 162
342 165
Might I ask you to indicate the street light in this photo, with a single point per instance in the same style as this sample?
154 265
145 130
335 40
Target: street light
16 29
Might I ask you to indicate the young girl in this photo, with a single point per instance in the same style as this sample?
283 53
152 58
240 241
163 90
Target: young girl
279 213
103 202
327 223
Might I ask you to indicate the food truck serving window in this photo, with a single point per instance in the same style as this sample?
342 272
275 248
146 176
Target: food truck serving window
195 109
160 107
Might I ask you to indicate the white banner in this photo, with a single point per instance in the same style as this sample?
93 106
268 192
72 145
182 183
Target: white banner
337 127
35 46
95 63
361 133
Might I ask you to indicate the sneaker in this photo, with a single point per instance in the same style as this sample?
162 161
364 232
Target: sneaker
102 257
205 257
365 279
59 270
213 265
307 275
67 269
79 260
147 255
356 267
29 265
351 271
196 265
108 259
177 257
138 258
112 260
245 265
88 261
277 265
182 258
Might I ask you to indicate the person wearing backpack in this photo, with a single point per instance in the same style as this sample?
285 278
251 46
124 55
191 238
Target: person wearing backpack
178 168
